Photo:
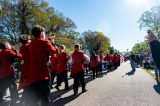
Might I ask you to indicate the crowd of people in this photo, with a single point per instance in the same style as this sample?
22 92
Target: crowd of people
150 60
136 60
43 61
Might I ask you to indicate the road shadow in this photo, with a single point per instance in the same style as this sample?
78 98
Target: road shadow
157 88
65 100
7 101
89 76
111 70
129 73
56 94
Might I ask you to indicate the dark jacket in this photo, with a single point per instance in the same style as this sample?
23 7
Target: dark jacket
155 48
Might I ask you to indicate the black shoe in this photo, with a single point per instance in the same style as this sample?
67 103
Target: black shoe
84 90
57 88
75 93
134 70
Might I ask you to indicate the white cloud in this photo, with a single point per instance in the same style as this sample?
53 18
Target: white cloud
103 26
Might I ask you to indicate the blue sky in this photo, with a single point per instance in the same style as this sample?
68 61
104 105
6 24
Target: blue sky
117 19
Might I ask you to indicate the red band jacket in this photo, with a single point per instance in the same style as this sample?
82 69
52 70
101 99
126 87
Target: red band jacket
24 50
78 60
6 62
62 59
39 55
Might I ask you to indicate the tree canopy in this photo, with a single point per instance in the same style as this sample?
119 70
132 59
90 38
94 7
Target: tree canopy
151 20
139 48
96 41
21 15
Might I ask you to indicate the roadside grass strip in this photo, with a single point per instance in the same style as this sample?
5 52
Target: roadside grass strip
150 72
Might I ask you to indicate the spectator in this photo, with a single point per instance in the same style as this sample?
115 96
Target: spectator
154 43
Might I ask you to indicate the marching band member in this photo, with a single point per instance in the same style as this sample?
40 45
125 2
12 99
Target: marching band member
77 71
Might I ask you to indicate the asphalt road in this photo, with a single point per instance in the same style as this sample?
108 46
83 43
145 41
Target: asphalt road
118 88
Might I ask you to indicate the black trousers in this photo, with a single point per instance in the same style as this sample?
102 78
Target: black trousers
62 77
53 75
94 70
105 65
9 82
109 66
36 93
86 67
115 65
100 68
118 63
78 77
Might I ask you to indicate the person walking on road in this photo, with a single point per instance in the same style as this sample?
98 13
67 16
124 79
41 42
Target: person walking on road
77 71
7 73
94 63
62 59
24 50
132 61
38 89
53 59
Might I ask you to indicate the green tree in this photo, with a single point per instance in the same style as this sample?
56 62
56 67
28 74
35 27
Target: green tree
8 23
151 20
96 41
19 16
111 50
104 42
90 39
66 40
142 47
